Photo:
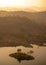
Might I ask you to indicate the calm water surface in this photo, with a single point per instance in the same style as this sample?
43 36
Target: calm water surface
39 55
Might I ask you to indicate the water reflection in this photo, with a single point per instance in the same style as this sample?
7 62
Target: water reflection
38 54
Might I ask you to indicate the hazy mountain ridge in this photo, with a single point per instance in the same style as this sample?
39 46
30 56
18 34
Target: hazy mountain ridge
16 27
28 9
41 16
31 19
24 18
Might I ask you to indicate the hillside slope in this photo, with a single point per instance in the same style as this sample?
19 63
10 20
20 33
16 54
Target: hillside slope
22 27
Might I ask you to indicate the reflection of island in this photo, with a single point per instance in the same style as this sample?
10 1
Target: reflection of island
21 56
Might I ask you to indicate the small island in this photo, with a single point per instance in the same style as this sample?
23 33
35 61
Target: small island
21 56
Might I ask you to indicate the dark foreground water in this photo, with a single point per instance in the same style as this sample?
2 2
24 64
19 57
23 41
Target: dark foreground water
39 56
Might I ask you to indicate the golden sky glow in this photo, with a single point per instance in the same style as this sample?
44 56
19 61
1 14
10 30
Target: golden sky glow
23 3
20 3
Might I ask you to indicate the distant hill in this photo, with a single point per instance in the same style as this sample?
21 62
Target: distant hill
29 9
31 21
19 26
41 16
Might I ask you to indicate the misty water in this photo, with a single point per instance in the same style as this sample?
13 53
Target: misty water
39 55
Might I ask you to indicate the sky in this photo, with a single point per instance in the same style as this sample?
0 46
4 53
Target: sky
23 3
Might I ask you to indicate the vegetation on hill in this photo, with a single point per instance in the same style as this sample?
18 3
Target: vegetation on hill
23 28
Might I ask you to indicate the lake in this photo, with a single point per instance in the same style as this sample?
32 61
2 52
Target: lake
39 55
